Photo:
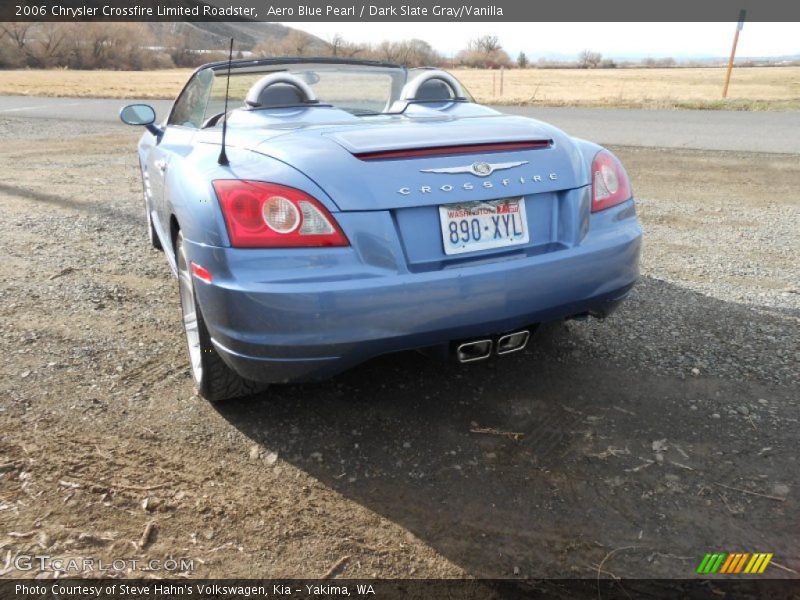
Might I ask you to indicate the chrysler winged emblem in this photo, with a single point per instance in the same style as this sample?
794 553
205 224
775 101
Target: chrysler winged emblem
480 168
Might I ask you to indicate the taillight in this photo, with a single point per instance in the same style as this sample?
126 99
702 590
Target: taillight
610 183
268 215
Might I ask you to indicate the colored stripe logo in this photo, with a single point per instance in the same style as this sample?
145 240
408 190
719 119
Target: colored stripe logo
734 563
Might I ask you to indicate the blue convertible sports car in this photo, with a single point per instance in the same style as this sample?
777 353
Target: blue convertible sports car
345 209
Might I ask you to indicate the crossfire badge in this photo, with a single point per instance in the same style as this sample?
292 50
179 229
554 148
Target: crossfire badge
479 169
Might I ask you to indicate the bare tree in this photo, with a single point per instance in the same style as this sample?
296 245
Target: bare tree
410 53
299 42
295 43
588 59
386 51
16 32
484 52
114 46
13 39
336 43
183 49
50 45
80 46
339 46
486 44
423 54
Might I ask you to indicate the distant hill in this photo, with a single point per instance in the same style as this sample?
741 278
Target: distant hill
215 35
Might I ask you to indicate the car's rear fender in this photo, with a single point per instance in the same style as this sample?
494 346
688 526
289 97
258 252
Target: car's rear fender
190 195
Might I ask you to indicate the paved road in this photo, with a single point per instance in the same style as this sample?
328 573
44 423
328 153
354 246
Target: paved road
708 130
701 129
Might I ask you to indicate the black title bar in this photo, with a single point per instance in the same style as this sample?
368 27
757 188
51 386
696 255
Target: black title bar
401 10
394 589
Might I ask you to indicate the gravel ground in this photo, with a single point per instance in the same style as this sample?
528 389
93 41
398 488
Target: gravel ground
720 267
639 442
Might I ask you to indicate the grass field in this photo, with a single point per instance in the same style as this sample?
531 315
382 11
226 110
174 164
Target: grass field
757 88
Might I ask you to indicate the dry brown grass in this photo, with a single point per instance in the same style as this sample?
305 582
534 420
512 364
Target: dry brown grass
94 84
758 88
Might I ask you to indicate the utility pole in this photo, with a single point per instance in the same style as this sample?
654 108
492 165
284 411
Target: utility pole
739 27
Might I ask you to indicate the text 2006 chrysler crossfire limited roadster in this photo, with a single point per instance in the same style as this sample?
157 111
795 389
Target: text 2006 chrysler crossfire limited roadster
359 208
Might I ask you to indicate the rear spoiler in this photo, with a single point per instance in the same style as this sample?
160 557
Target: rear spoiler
454 150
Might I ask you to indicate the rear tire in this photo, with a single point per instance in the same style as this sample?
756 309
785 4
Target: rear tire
154 241
151 230
215 380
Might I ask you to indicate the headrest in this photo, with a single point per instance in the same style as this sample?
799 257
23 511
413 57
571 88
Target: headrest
278 90
434 89
432 85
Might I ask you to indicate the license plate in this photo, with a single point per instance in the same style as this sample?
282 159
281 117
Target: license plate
473 226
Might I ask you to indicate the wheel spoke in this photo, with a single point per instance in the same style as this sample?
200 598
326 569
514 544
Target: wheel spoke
190 317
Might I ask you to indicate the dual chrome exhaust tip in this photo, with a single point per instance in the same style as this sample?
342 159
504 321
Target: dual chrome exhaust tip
473 351
476 350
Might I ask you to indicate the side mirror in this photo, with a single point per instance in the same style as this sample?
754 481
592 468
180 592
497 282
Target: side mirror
140 114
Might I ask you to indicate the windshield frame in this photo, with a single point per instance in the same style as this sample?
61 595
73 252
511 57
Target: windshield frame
271 65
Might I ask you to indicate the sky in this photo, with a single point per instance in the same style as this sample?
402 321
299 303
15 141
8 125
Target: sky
677 40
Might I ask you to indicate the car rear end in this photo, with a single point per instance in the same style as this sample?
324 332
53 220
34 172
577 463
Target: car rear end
458 234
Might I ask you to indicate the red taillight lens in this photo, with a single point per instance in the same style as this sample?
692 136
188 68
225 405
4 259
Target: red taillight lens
610 183
268 215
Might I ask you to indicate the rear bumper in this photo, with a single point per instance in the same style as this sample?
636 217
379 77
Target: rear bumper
269 325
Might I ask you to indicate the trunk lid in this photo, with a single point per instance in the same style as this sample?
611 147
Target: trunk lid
400 163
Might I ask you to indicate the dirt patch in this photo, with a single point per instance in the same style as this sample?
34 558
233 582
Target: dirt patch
665 432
